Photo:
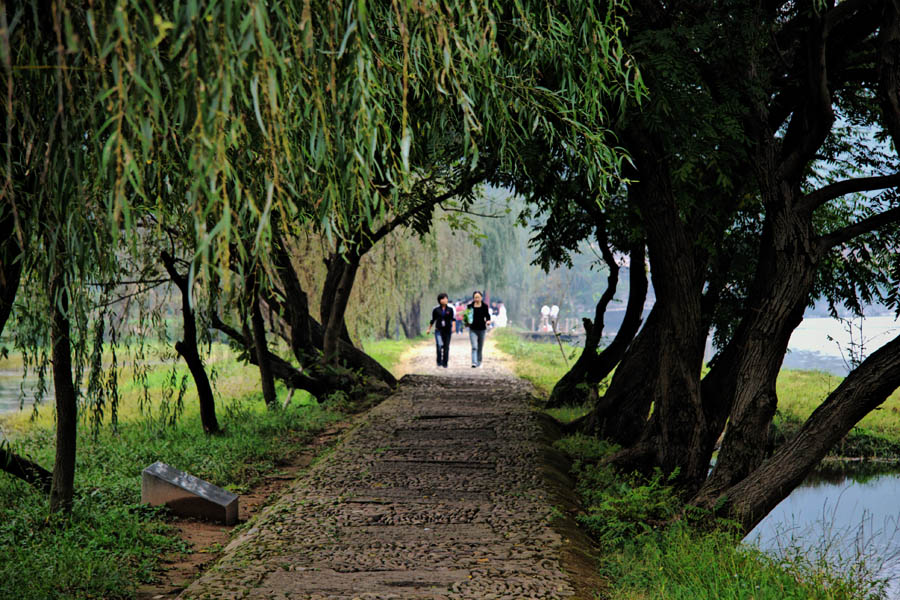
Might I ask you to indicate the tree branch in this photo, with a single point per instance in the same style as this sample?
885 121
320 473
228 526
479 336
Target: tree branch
849 232
24 469
464 186
810 126
815 199
889 69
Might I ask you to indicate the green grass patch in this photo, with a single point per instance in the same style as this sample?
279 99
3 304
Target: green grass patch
649 554
801 392
111 543
540 363
389 352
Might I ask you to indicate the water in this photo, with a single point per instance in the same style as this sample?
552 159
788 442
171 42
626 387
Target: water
11 391
841 513
811 348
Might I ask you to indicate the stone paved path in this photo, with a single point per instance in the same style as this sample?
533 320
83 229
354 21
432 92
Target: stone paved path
442 491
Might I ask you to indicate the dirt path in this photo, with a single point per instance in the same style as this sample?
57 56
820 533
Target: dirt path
445 490
421 359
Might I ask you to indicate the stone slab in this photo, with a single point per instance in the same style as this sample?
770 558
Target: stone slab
431 434
186 495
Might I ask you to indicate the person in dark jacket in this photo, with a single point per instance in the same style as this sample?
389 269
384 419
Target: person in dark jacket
442 318
479 319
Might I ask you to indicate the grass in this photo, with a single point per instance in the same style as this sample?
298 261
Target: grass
800 392
111 543
389 352
649 554
540 363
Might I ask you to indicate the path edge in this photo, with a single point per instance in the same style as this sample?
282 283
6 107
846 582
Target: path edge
579 555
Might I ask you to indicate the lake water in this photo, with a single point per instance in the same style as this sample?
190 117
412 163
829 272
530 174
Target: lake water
811 348
11 396
841 513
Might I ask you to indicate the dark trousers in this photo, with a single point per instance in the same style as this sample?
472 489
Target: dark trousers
442 342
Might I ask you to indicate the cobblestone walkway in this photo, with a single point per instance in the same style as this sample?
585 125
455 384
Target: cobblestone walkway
439 492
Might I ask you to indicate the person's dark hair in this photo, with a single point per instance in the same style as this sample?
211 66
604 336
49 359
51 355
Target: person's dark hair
476 292
442 296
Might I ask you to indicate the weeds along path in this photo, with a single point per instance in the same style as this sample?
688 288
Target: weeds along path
448 489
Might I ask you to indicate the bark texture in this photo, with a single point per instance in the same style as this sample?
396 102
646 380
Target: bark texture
864 389
410 317
62 488
267 381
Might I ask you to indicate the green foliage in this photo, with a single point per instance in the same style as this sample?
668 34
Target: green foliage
621 509
648 552
111 543
389 352
540 363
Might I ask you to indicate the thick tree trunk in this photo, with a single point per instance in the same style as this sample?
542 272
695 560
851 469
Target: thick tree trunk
741 386
62 488
341 272
267 381
188 350
867 386
674 436
335 306
295 310
620 415
25 469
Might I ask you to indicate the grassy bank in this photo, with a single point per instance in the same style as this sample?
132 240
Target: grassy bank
111 543
876 436
645 559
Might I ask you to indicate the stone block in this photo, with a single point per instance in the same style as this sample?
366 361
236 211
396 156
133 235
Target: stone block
187 495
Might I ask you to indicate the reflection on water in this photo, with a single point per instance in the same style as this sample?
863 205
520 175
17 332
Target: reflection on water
842 512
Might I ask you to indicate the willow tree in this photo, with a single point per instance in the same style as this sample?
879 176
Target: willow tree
356 119
54 188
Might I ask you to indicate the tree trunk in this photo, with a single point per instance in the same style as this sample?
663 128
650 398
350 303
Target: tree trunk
10 275
266 379
11 257
617 415
295 309
411 319
864 389
740 387
341 272
25 469
335 328
572 387
673 437
620 415
62 487
188 350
